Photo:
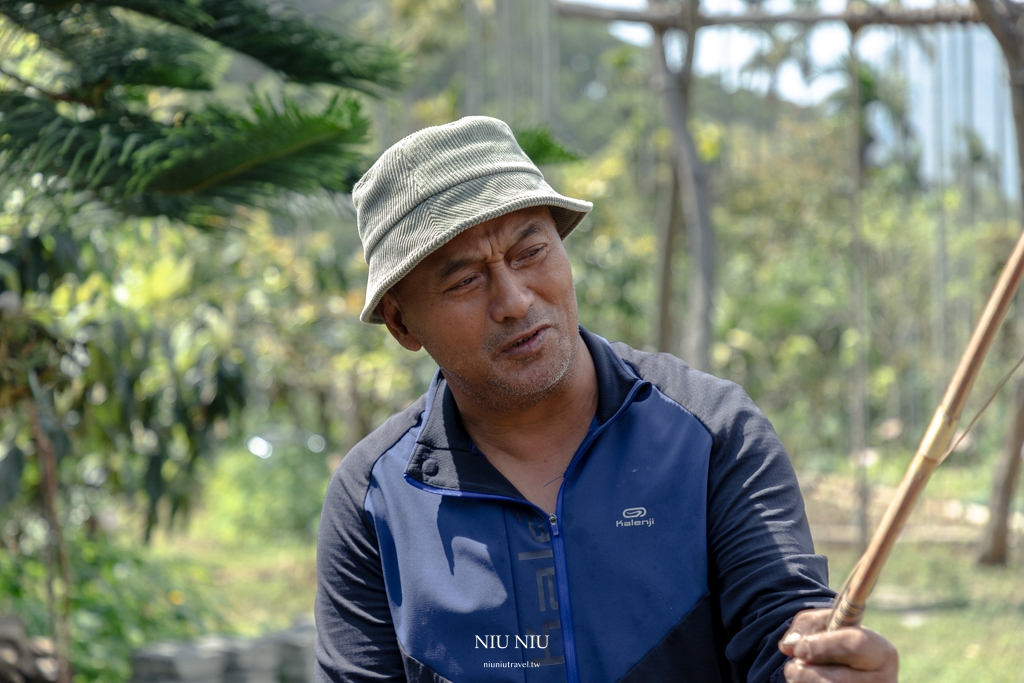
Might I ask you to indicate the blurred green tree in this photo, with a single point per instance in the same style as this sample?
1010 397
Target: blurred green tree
108 112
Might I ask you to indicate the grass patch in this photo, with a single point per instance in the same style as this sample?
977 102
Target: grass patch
979 641
260 587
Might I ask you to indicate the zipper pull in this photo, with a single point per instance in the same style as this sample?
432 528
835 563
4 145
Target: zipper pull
553 519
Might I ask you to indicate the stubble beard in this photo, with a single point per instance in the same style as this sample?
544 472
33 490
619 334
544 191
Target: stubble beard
501 393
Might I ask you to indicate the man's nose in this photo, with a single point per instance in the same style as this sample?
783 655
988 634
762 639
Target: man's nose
510 297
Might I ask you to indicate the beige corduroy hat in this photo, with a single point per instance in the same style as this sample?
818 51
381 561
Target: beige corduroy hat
430 186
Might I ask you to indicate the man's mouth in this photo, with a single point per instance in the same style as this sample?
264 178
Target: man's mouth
525 340
525 343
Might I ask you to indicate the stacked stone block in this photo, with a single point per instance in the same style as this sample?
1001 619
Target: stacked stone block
167 662
285 657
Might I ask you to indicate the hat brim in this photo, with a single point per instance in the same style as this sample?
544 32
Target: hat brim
436 221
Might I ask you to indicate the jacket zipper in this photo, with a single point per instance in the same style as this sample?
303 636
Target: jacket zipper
557 540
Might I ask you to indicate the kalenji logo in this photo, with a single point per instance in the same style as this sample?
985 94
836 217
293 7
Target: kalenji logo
633 517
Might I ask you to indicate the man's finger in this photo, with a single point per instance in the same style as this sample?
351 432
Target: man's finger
847 654
797 671
804 623
857 648
810 621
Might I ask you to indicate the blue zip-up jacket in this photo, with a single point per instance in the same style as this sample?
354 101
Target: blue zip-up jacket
679 549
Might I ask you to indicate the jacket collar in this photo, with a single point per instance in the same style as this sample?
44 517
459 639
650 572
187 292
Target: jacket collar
445 457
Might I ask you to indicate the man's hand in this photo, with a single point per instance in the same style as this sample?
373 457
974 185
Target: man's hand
848 655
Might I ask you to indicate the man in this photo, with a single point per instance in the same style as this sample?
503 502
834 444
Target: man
555 507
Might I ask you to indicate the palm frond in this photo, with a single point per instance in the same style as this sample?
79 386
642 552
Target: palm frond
227 155
90 154
283 41
209 160
115 47
187 13
217 159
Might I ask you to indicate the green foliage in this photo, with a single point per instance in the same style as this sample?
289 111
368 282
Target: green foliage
276 37
122 600
77 104
228 157
122 340
216 159
542 148
784 321
101 47
613 250
279 496
143 381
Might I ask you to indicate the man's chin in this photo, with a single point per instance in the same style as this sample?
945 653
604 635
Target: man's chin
530 386
513 389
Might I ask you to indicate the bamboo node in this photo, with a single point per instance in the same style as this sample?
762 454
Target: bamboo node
937 438
845 614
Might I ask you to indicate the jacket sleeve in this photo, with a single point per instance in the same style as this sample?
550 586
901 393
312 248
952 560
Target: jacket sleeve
356 639
762 563
762 569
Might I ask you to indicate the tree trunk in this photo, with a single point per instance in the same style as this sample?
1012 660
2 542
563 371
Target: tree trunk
58 588
693 189
358 421
668 221
995 542
1004 19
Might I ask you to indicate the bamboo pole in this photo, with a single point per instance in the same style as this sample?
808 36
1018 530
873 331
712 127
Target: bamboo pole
850 605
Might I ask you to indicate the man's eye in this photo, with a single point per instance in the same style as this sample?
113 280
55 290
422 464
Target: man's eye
464 282
530 253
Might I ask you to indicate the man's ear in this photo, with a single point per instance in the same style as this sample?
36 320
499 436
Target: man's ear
390 309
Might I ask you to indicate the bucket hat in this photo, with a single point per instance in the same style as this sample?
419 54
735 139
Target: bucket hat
434 184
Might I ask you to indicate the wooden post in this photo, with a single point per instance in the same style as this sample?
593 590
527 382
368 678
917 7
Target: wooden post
668 219
969 132
939 272
474 102
858 395
693 189
548 72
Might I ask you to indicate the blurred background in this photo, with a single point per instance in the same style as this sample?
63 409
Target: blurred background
817 217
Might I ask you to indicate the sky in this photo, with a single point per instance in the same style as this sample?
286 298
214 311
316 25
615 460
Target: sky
967 59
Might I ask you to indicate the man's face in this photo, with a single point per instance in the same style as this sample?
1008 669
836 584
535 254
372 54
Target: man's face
495 308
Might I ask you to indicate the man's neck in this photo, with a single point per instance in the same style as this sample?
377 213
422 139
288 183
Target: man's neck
555 424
